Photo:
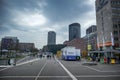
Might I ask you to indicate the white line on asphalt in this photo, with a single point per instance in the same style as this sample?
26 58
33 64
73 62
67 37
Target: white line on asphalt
92 68
69 73
100 70
27 62
34 76
22 59
98 76
85 76
4 68
41 71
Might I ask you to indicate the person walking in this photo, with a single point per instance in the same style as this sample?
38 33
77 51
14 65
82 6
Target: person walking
108 60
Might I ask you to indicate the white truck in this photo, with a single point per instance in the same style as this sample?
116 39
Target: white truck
70 53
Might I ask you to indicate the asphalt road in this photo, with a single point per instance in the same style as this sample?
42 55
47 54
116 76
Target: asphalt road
54 69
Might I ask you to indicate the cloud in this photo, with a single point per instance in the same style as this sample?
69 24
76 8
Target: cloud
34 18
64 10
30 20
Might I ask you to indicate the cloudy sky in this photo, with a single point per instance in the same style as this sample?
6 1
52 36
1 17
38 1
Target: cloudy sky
30 20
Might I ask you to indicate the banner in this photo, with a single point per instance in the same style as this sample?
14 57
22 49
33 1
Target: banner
112 39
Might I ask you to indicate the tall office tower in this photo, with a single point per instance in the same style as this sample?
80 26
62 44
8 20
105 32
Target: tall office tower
51 38
74 31
108 23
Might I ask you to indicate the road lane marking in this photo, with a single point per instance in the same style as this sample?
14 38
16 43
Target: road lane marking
34 76
4 68
84 76
40 71
100 70
69 73
87 76
22 59
92 68
27 62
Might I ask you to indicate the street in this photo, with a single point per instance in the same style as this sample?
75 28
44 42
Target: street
56 69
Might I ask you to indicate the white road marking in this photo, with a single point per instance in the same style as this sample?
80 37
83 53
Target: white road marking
34 76
92 68
41 71
69 73
4 68
22 59
27 62
98 76
100 70
84 76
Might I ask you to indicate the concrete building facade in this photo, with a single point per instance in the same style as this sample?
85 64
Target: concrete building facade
78 43
108 23
9 43
51 38
91 37
26 47
74 31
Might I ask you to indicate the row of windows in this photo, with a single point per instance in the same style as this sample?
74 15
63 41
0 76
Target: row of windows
116 26
116 38
116 32
115 8
116 14
116 19
115 2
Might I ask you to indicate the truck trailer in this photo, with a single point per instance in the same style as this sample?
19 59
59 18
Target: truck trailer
70 53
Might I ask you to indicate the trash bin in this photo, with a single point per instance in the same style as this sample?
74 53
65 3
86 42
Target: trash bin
105 60
112 61
102 60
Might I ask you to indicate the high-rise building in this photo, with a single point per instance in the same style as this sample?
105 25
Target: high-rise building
108 23
74 31
51 38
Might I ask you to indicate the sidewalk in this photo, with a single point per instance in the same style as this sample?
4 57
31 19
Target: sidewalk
83 60
18 62
87 62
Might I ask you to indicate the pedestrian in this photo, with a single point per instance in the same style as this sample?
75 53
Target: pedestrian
93 58
108 60
9 62
119 59
98 59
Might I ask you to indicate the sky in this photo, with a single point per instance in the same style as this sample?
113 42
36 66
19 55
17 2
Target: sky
30 20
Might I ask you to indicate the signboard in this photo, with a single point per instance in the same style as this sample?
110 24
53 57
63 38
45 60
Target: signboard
105 44
89 47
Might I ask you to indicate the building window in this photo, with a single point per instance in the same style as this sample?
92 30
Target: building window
115 26
115 2
115 8
119 25
116 45
115 32
116 38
